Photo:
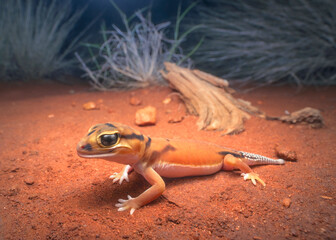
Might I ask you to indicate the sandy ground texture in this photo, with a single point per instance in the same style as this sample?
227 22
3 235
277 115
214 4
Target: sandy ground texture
48 192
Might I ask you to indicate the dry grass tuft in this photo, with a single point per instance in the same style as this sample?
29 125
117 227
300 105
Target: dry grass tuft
33 38
264 42
133 58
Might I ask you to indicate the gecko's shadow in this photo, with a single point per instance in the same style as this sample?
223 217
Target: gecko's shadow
105 193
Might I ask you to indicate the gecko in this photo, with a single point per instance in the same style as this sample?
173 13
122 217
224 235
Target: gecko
155 158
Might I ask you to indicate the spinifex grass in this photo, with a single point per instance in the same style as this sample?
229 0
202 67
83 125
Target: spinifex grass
134 57
33 38
262 42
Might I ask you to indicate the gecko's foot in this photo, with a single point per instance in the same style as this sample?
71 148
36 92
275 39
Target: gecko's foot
127 204
254 177
123 175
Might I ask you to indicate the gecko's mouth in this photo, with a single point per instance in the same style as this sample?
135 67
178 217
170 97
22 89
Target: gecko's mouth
102 155
87 151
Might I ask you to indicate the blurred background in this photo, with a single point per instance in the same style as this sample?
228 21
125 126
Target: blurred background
111 43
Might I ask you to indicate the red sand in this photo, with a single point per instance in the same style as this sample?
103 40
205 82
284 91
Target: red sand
48 192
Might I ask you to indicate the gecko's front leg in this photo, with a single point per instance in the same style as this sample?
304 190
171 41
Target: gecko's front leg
122 175
155 191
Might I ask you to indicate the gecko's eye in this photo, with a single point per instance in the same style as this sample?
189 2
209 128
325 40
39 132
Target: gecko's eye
107 140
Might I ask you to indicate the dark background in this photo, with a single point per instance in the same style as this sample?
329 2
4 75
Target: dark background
101 11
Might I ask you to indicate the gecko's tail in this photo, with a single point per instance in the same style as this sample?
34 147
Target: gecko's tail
255 159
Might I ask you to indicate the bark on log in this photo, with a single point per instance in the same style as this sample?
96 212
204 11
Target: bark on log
210 98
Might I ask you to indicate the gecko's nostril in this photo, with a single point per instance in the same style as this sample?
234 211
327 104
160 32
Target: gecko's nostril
86 147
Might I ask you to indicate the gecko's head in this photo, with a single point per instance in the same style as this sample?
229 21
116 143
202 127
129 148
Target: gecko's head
112 141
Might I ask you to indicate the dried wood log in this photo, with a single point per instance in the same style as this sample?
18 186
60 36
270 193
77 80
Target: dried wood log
210 98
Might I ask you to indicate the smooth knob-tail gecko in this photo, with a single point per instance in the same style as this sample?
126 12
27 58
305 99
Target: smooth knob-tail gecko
155 158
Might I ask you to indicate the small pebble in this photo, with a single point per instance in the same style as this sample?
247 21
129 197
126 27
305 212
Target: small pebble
294 232
286 202
167 100
134 101
13 190
29 180
90 106
286 154
175 119
15 169
145 116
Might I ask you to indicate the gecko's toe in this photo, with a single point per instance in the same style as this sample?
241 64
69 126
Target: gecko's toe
253 177
120 209
113 175
126 204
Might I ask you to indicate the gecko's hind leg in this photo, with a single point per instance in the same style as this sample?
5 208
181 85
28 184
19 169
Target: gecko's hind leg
231 162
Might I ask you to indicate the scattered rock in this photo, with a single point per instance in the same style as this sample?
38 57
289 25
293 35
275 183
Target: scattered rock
176 110
173 219
285 153
286 202
158 221
73 227
294 232
33 197
13 190
307 115
175 119
145 116
166 100
51 116
15 169
90 106
29 180
134 101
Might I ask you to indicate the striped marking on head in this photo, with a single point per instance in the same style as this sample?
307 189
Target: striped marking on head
133 136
